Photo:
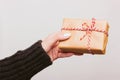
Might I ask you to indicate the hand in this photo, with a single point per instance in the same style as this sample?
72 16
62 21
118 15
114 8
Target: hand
50 45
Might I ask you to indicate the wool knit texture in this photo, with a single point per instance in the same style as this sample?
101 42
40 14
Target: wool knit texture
24 64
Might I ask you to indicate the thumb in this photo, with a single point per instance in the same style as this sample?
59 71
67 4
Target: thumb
62 36
56 37
52 39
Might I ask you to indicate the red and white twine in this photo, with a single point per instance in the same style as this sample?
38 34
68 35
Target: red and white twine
88 29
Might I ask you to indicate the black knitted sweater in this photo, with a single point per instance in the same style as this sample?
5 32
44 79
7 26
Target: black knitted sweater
24 64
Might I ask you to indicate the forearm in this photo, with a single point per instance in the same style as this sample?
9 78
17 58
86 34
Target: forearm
24 64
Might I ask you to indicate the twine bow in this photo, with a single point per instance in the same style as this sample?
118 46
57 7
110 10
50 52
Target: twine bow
88 30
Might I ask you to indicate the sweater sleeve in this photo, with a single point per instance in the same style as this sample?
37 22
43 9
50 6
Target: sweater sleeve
25 63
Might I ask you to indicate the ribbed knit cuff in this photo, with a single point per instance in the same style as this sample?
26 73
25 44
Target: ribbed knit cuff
41 61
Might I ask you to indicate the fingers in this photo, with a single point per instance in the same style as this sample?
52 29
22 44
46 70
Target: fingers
63 55
78 54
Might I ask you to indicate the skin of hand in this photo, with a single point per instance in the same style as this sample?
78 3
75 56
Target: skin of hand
50 45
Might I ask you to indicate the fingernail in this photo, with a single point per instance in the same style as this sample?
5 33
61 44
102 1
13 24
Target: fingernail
67 34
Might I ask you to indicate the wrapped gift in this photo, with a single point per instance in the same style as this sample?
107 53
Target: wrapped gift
87 36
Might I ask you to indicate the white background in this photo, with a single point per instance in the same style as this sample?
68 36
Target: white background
23 22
